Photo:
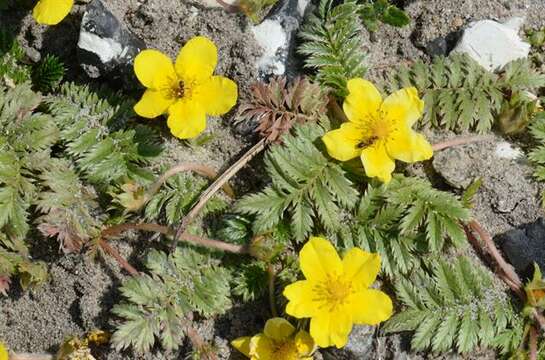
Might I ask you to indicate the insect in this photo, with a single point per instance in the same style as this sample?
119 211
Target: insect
367 142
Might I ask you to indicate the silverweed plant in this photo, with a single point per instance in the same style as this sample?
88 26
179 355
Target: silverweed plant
337 210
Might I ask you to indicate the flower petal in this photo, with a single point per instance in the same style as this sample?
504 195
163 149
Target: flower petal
278 329
304 343
342 144
370 307
409 146
218 95
403 107
51 12
318 259
3 352
361 266
152 104
377 162
154 69
261 347
242 344
186 119
331 329
300 303
362 101
197 59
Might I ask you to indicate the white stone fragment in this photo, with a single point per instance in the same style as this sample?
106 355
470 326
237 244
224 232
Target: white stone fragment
273 40
506 151
492 44
105 49
302 7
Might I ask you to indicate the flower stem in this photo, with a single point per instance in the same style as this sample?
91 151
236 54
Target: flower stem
214 187
272 300
460 141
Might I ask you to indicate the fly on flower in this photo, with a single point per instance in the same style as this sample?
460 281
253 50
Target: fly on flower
279 341
51 12
379 131
187 90
335 293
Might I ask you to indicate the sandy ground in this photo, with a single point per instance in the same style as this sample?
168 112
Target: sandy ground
80 292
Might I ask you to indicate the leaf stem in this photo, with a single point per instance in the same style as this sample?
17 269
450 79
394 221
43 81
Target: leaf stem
214 187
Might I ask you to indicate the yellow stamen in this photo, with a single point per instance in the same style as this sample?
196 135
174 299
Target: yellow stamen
333 292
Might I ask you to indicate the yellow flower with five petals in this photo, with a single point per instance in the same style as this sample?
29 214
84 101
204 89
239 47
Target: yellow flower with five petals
51 12
336 294
187 90
279 341
379 131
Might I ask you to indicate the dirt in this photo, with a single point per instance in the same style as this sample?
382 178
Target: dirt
80 291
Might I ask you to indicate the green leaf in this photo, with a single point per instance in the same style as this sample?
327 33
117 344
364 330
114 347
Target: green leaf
395 16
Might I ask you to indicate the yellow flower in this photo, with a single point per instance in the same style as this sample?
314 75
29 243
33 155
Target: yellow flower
3 352
186 90
277 342
335 294
51 12
379 131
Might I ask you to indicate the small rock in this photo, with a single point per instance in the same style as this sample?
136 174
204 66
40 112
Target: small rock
506 151
273 39
442 46
493 44
524 246
105 46
359 347
276 35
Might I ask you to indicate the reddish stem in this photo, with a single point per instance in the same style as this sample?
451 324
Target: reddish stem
117 256
533 343
13 356
496 255
197 240
228 7
460 141
507 274
215 186
198 168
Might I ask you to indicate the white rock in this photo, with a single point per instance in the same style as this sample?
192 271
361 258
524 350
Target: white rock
506 151
105 49
272 38
493 44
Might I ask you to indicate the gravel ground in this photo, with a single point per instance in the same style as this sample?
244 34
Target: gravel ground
80 292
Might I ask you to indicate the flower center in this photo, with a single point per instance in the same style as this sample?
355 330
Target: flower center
375 129
180 90
333 292
285 350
